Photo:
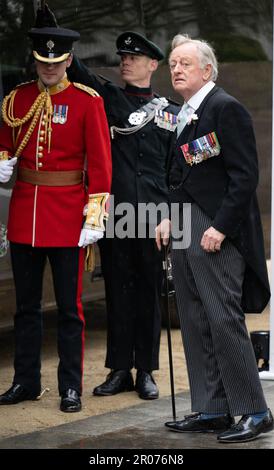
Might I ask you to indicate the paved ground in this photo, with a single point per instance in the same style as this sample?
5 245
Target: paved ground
120 422
136 427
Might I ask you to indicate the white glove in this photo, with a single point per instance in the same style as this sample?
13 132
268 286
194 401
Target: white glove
88 236
6 169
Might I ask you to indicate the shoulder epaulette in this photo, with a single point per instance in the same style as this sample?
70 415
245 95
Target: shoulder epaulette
170 100
25 83
105 79
87 89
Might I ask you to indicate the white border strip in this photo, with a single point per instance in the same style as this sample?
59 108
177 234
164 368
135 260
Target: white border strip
269 375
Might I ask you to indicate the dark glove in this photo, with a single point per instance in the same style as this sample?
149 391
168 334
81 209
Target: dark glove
45 18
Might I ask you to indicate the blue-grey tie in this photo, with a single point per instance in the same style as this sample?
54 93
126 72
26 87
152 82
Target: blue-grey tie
182 117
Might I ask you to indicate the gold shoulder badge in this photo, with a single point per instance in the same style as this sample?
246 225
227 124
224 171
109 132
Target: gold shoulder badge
87 89
25 83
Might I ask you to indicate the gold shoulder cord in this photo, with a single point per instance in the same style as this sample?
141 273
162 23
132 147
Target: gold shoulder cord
87 89
42 101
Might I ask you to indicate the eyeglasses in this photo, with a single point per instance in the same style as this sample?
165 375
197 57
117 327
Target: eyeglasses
182 63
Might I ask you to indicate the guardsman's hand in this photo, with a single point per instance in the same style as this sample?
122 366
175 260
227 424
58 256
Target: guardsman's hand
162 233
6 169
89 236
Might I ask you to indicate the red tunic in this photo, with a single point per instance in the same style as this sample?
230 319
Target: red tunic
48 216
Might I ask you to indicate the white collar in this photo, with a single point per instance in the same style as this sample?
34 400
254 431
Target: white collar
197 99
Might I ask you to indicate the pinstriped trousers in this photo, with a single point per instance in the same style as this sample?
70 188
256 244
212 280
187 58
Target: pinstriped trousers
222 369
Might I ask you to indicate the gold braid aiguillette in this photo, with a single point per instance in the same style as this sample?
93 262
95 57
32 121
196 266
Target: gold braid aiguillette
42 102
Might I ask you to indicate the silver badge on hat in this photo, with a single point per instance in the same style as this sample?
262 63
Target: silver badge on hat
128 41
50 45
137 117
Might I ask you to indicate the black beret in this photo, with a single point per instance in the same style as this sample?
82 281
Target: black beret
134 43
51 44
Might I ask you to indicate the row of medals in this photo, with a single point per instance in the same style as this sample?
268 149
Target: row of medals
60 114
162 119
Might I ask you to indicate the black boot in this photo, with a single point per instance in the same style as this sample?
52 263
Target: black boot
16 394
146 386
117 381
70 401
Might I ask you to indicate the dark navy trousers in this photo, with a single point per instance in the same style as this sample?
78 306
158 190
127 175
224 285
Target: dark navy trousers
28 264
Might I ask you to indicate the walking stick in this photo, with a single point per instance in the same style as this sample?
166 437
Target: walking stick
167 309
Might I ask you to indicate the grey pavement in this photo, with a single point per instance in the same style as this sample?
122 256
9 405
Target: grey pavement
136 427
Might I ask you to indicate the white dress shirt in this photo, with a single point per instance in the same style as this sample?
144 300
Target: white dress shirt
189 107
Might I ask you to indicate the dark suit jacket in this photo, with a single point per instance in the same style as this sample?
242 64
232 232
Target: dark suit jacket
224 186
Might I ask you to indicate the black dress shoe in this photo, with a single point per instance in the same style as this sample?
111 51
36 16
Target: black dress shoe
146 386
70 401
246 430
195 423
15 394
117 381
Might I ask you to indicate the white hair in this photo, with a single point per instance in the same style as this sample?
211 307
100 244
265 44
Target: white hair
206 52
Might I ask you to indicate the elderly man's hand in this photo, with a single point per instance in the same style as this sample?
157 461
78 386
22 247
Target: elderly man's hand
162 233
212 240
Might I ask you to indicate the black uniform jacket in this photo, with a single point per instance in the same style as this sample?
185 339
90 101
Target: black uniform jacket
224 186
140 159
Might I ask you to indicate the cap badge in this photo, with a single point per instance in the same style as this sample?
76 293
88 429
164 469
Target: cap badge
50 45
128 41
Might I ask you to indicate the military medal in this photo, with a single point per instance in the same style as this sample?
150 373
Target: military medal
60 113
55 116
165 120
201 149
